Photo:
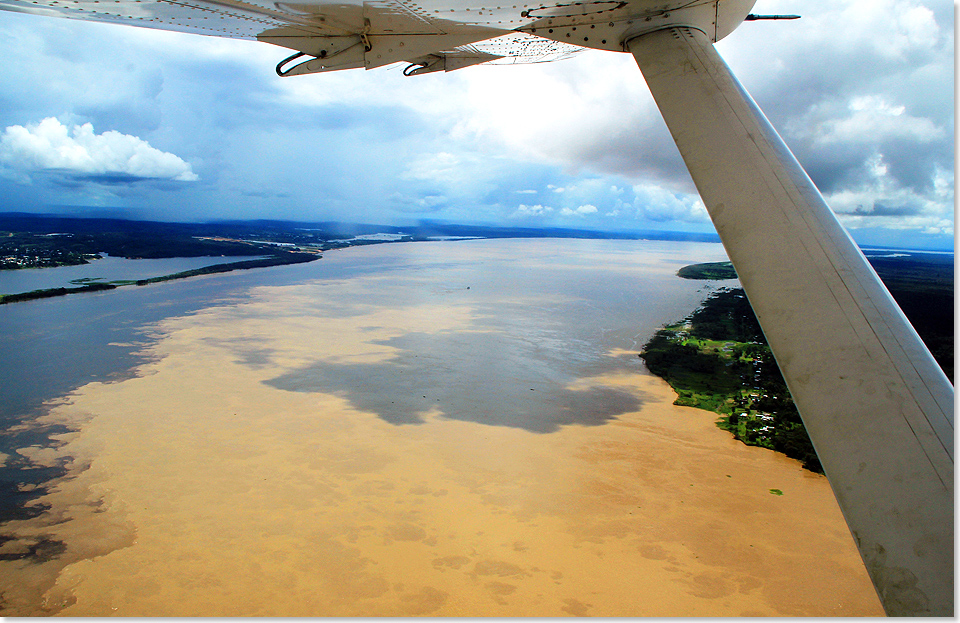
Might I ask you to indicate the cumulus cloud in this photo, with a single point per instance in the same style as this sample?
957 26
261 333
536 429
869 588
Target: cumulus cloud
882 202
580 211
80 152
868 119
591 113
525 211
657 204
855 80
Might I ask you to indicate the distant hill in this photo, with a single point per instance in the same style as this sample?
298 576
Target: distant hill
297 231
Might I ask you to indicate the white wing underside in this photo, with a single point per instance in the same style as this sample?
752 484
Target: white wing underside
519 47
433 34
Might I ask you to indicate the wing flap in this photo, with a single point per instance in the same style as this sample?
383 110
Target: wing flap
447 61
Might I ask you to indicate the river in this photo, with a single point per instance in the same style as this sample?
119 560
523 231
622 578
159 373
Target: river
457 427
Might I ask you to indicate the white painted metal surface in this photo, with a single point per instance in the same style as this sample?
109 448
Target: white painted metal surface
373 33
878 408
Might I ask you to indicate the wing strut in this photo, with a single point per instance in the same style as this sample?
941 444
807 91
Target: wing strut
878 408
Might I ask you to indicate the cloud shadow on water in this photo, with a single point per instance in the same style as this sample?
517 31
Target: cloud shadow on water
483 377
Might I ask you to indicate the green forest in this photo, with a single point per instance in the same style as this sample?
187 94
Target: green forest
718 359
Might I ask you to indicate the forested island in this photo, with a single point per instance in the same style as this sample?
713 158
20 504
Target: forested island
279 259
920 282
718 359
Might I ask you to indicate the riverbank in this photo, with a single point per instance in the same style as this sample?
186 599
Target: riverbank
718 360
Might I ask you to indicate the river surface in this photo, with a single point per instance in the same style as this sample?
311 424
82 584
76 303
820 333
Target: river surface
550 309
50 346
446 428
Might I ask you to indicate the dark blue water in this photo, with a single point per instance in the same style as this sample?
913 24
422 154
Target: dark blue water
545 315
487 378
49 347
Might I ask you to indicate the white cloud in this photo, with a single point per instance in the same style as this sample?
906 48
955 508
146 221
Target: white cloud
525 211
592 112
435 167
581 211
870 119
50 145
900 27
657 204
461 173
427 203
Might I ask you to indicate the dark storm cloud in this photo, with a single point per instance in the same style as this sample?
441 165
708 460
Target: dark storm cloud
641 148
108 179
911 163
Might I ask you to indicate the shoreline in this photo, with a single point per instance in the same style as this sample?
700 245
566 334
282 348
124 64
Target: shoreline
717 359
277 260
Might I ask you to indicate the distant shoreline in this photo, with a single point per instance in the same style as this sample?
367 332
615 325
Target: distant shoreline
32 241
276 260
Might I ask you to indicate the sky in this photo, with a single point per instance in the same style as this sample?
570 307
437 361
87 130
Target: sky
107 120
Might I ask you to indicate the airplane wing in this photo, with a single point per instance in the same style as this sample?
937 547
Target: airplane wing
878 409
332 36
430 34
